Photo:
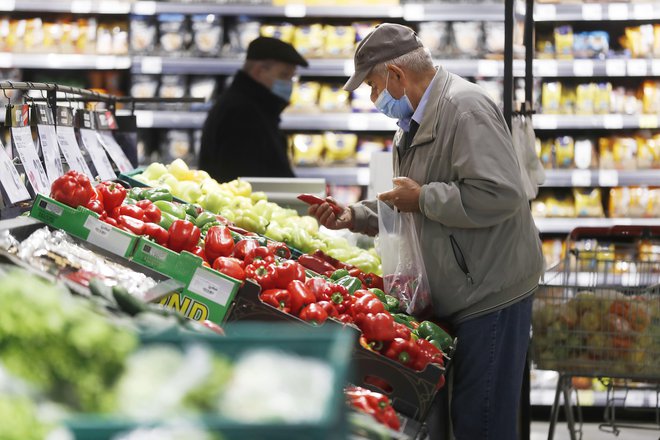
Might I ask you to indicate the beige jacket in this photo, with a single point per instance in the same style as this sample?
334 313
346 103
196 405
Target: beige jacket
481 248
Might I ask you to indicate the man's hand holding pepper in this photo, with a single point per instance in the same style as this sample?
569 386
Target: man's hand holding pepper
326 216
404 196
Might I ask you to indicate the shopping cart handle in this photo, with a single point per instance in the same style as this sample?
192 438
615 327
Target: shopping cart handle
639 231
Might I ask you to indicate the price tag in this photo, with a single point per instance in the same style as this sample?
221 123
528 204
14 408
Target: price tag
100 160
545 122
152 65
114 7
294 10
6 60
637 67
613 122
583 68
66 138
615 67
105 62
648 121
581 178
592 11
144 119
22 137
10 179
488 68
211 286
51 207
413 12
155 252
643 11
617 11
545 12
106 237
144 8
358 123
81 6
547 67
608 178
50 151
349 67
655 67
114 150
362 177
8 5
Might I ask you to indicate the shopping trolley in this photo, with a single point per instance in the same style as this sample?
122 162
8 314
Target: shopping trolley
597 314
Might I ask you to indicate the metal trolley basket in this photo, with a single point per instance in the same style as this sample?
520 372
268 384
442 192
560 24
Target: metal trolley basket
597 314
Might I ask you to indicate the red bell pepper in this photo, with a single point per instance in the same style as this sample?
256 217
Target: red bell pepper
263 274
401 331
218 242
128 210
229 267
300 295
320 288
329 308
279 249
73 189
377 326
199 251
375 404
373 281
259 253
342 299
157 233
243 247
314 313
366 302
130 224
278 298
113 194
109 220
402 351
151 212
427 354
288 271
315 264
184 236
95 205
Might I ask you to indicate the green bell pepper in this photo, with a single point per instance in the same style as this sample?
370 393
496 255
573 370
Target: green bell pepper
171 208
435 335
351 283
236 236
190 218
192 209
157 194
204 218
391 304
380 294
135 193
166 219
339 274
406 320
205 228
129 201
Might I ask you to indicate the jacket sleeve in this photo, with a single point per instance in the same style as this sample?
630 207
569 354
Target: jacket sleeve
488 189
365 217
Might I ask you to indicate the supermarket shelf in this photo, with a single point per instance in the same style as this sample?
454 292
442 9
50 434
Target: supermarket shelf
168 119
116 7
566 225
64 61
336 175
409 12
590 68
609 122
597 12
634 398
339 121
600 178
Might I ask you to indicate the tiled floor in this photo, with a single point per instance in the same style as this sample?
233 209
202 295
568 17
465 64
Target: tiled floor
591 432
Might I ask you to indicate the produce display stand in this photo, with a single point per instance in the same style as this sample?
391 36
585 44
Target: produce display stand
597 314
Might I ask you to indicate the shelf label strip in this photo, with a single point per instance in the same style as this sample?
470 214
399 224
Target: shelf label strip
36 174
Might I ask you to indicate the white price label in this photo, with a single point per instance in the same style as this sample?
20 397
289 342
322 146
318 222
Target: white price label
10 179
583 68
349 67
144 8
66 139
362 177
6 60
615 67
27 153
617 11
545 122
613 122
51 207
637 67
592 11
114 150
107 237
144 118
295 10
358 122
413 12
100 160
608 178
211 286
7 5
643 11
548 68
648 121
81 6
105 62
581 178
655 67
152 65
545 12
488 68
114 7
155 252
50 151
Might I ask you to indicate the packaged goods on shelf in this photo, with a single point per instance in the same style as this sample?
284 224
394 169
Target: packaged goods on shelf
177 145
634 202
339 146
304 97
144 34
368 145
334 99
435 36
588 202
202 87
307 149
242 34
361 100
467 38
281 31
309 40
172 86
494 37
553 251
640 41
554 204
207 33
174 34
144 86
339 41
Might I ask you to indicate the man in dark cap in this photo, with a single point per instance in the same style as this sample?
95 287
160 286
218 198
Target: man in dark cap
241 135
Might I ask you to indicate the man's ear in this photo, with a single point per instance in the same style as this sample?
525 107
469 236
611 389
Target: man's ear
396 71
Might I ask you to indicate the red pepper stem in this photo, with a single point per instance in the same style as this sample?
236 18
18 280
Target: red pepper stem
337 298
404 357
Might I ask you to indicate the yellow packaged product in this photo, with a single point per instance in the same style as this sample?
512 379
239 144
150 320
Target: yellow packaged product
624 150
334 99
553 204
119 38
339 41
567 102
546 153
309 40
339 146
584 99
564 42
551 97
605 153
14 39
283 31
602 98
650 97
629 202
307 149
585 154
304 97
564 152
656 41
648 152
104 39
653 210
33 39
366 146
588 202
553 251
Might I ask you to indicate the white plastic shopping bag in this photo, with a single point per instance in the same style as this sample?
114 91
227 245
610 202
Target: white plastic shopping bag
404 274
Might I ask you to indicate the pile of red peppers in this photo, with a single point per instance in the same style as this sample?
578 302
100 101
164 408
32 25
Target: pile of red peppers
375 404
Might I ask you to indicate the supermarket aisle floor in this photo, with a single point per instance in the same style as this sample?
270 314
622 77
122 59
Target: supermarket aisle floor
591 432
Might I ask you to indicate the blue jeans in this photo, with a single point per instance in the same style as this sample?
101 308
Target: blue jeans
487 367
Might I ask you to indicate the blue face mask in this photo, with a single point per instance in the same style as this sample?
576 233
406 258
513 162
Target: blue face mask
282 88
394 108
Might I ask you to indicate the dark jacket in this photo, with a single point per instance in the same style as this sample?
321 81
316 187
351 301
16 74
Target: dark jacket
241 136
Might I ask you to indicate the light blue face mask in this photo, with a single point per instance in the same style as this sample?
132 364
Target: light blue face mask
394 108
282 88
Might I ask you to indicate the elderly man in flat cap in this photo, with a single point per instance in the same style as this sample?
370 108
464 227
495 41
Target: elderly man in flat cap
456 169
241 135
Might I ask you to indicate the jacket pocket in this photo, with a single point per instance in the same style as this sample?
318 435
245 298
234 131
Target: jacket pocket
460 258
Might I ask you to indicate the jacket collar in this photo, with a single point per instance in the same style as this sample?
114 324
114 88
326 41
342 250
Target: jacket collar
428 127
268 100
